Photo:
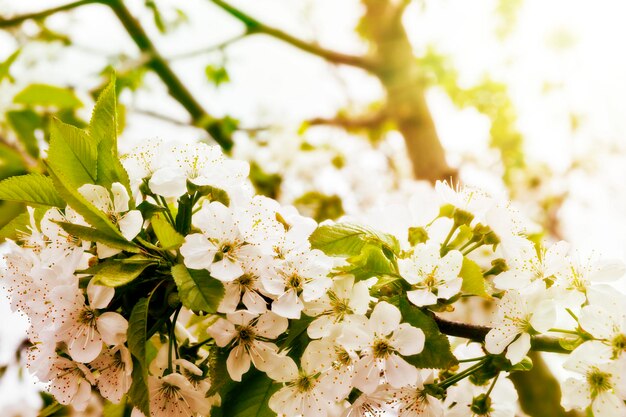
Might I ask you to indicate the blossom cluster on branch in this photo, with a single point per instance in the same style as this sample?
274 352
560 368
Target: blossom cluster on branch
160 282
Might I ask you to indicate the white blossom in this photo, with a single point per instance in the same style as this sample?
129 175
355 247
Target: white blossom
430 275
381 340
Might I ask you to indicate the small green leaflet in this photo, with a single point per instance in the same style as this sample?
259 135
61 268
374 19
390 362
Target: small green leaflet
137 330
95 235
250 397
116 272
34 189
436 353
347 239
168 237
197 289
73 153
48 96
473 279
371 262
25 123
103 129
5 66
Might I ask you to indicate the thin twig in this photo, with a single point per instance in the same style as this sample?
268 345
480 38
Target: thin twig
209 49
255 26
16 20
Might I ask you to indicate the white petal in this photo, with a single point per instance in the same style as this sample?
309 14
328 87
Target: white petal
223 331
99 296
168 182
254 302
398 372
518 349
85 346
112 327
421 297
271 325
608 270
366 375
607 404
120 197
544 316
98 196
105 251
130 224
288 305
385 318
597 321
226 270
360 298
499 338
238 362
316 288
320 327
450 265
450 288
197 251
281 368
408 340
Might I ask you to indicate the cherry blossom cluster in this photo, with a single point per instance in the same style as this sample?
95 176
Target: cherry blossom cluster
213 293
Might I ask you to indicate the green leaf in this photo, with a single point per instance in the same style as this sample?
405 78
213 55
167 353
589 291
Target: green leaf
73 154
217 75
95 235
25 123
250 398
137 333
212 193
114 410
347 239
103 130
168 237
5 66
297 337
473 279
48 95
15 218
11 162
197 290
34 189
320 206
118 272
371 262
436 353
92 215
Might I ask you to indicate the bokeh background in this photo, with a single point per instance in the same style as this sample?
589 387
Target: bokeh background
527 97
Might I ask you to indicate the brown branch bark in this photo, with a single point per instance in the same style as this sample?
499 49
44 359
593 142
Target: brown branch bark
394 64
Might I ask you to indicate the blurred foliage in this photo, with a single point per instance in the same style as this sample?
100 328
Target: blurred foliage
507 11
320 206
489 98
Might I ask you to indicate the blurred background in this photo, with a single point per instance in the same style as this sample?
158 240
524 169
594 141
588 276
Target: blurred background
342 107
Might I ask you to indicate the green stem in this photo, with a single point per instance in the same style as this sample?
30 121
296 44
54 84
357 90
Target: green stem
254 26
574 332
462 375
472 248
16 20
447 239
493 384
175 86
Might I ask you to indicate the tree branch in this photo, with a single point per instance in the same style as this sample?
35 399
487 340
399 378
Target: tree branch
175 86
209 49
16 20
477 333
254 26
364 122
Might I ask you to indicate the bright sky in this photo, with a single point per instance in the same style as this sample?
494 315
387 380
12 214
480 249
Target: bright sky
571 48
